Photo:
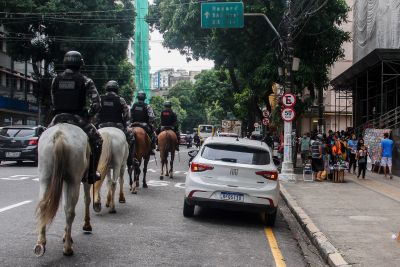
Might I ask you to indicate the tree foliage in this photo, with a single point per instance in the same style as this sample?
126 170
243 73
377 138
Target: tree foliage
251 55
45 30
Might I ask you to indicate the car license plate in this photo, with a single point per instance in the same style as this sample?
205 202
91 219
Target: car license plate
13 154
230 196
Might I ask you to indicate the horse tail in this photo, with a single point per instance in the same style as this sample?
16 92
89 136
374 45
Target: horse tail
106 153
48 206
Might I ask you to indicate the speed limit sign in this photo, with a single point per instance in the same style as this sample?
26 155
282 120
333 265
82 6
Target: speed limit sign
288 114
288 100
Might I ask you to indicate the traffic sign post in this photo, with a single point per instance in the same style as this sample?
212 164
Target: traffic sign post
265 121
222 15
289 100
288 114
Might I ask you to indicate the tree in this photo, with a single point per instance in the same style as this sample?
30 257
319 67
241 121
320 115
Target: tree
44 30
195 112
249 55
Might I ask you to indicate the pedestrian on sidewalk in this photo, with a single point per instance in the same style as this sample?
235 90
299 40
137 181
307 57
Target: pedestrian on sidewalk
316 157
386 154
305 147
353 144
361 156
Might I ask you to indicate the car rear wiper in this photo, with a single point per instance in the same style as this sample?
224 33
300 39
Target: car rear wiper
227 159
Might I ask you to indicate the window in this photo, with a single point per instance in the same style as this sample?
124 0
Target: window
12 132
205 129
236 153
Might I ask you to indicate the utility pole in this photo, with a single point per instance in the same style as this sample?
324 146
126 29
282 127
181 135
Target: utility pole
287 172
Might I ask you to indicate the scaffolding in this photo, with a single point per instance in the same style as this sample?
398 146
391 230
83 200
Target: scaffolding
142 73
340 110
374 83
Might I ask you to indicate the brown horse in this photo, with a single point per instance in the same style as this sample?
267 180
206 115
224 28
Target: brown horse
142 152
167 141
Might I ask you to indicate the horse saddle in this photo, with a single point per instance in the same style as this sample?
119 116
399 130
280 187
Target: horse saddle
111 124
67 118
142 125
165 128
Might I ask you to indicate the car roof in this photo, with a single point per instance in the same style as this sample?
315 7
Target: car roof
235 141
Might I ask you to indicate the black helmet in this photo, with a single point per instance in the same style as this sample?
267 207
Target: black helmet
73 60
167 104
112 86
141 96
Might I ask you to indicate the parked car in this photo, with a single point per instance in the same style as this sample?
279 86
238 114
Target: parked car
20 143
234 174
182 140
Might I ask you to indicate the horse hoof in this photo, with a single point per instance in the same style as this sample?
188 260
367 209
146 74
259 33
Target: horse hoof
161 177
107 205
97 207
87 228
145 185
68 252
39 250
113 211
122 200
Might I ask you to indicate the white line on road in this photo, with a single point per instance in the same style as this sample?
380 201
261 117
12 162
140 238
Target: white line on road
15 205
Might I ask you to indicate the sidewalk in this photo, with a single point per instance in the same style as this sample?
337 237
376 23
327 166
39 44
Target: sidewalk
358 217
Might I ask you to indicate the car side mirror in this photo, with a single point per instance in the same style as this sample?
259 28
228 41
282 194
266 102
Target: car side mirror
276 160
193 153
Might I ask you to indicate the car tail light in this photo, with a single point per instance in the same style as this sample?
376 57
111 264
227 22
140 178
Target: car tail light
270 175
33 142
197 167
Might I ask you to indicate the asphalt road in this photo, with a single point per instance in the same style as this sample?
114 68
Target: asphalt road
148 230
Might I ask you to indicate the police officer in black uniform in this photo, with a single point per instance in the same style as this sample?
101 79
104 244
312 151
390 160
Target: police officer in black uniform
75 100
141 114
169 119
115 113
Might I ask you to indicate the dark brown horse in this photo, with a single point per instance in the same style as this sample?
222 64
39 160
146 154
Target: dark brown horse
167 141
142 152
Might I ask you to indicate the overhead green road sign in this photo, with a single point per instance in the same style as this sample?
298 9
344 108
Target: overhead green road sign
222 15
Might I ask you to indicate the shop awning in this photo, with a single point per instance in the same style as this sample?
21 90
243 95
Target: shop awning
344 80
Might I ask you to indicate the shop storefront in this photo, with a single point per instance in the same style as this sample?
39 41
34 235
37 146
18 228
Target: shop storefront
18 112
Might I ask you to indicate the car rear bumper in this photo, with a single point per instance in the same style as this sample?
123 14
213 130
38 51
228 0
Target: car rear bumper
230 205
25 154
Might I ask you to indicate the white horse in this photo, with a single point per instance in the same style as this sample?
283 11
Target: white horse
64 154
113 157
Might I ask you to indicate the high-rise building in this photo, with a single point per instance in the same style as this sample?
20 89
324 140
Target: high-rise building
18 105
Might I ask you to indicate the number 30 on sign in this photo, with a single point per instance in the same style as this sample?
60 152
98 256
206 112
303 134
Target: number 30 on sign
288 114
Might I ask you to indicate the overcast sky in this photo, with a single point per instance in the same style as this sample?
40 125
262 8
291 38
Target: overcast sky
160 58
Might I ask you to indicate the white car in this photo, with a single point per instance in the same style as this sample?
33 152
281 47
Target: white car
233 174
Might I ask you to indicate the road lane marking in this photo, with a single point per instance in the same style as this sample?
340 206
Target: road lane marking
180 185
18 177
15 205
273 244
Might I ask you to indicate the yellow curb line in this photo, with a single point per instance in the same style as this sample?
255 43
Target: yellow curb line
273 244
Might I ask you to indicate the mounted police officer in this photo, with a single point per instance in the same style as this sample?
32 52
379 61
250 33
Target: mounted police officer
169 120
75 100
142 115
115 113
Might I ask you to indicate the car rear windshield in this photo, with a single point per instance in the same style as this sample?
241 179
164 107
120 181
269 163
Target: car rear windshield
12 132
237 154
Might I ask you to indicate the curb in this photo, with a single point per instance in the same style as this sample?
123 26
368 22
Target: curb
328 252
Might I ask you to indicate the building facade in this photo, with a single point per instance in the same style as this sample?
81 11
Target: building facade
338 109
18 105
164 79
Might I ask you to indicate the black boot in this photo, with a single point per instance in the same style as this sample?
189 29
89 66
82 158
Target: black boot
94 175
153 145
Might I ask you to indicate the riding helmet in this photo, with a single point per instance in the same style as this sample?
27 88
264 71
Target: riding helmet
167 104
141 96
73 60
112 86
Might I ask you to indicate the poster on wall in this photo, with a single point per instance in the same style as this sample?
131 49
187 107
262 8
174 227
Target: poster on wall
372 139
